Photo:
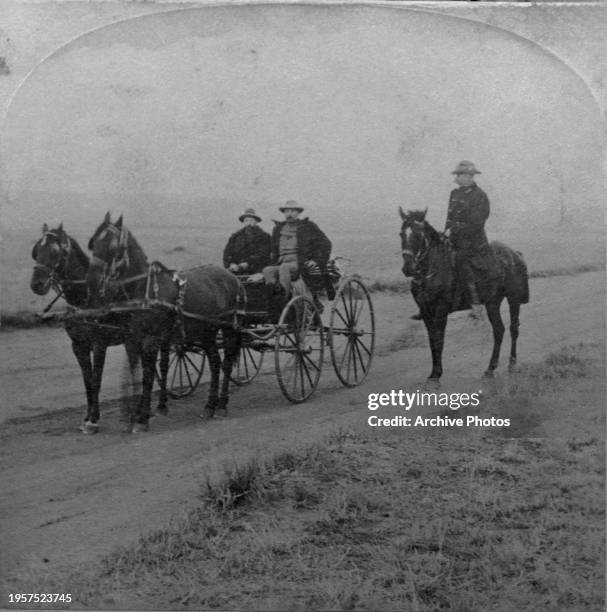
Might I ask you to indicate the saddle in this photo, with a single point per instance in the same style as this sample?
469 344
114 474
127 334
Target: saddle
486 269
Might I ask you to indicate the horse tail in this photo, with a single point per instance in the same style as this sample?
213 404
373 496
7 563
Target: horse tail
516 276
523 276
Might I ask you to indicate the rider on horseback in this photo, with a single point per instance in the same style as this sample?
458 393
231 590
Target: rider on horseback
468 210
466 216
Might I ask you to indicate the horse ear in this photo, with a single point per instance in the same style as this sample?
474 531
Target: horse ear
118 223
401 212
60 228
425 212
107 217
44 228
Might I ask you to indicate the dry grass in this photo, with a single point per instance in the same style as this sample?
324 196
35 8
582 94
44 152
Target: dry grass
384 520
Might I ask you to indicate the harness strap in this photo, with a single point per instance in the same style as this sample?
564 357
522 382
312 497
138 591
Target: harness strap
59 294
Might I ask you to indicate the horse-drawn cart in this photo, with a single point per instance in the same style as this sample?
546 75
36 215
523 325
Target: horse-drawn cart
297 337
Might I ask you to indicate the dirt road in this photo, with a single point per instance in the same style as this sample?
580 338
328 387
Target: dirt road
68 498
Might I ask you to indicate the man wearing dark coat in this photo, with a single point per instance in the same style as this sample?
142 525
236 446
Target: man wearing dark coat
468 210
299 248
247 250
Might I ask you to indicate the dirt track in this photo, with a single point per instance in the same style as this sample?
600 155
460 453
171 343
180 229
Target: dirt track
67 498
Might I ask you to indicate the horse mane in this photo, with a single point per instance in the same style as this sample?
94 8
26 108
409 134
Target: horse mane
132 241
134 244
433 234
77 250
98 231
419 216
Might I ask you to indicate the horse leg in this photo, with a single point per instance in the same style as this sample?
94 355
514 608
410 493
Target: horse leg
436 324
210 348
133 390
82 351
495 318
149 356
163 367
515 308
99 352
230 353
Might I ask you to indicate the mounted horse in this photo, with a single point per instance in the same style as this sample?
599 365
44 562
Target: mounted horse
62 265
161 306
427 259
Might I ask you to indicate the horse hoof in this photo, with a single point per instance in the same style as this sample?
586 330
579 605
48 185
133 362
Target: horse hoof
512 368
140 428
221 413
89 428
207 414
488 374
162 411
433 383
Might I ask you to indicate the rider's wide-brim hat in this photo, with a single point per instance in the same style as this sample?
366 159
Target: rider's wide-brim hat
291 205
466 167
249 212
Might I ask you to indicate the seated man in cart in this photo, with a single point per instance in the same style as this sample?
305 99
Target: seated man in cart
299 249
248 249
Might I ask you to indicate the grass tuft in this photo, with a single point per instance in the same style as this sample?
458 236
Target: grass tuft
241 484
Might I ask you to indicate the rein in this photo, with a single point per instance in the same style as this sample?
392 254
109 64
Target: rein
151 296
419 257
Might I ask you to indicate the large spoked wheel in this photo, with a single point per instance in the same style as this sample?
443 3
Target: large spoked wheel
299 349
247 365
352 332
186 365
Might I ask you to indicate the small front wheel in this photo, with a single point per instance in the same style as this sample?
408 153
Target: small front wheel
247 365
186 365
299 349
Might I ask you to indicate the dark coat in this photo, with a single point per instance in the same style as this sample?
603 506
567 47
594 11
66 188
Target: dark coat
250 244
466 216
313 244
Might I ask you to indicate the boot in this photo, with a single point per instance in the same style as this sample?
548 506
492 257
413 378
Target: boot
417 317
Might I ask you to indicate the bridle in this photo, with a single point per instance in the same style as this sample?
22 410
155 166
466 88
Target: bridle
422 253
120 261
57 274
59 268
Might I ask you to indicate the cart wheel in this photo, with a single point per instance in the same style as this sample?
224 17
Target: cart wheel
186 365
247 365
352 332
299 349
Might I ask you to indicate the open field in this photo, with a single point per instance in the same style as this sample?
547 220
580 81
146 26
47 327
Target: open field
375 255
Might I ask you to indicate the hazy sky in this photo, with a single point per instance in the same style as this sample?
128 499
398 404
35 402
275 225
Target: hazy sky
349 110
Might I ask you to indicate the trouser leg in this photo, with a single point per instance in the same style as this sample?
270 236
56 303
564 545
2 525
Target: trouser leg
286 273
465 276
270 275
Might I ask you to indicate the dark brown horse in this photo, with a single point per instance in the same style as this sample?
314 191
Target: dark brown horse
191 306
62 265
427 259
